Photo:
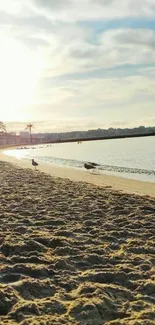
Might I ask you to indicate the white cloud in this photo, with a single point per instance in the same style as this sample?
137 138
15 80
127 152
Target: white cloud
111 92
113 48
52 34
95 99
73 10
78 10
11 6
71 47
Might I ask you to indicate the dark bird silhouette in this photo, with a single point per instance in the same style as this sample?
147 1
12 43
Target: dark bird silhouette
93 164
89 166
34 163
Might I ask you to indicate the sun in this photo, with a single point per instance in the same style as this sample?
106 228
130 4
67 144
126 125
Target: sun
20 72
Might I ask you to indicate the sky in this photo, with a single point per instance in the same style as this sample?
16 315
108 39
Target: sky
77 64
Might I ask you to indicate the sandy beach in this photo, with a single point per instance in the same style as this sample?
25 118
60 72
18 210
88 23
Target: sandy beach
74 253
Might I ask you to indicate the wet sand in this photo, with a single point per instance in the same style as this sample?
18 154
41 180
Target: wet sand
73 253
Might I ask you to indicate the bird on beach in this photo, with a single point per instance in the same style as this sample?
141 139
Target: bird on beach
93 164
34 163
89 166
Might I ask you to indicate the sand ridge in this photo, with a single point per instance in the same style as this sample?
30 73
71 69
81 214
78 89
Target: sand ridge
73 253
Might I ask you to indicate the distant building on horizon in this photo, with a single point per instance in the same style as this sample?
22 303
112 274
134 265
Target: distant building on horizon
24 134
12 133
9 139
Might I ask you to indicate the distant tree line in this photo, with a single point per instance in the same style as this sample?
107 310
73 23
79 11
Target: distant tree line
95 133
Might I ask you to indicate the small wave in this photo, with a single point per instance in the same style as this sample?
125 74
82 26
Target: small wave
110 168
128 170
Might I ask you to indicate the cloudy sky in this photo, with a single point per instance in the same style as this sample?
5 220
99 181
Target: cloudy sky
77 64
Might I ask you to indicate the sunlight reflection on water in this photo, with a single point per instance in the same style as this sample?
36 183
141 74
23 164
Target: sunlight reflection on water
19 154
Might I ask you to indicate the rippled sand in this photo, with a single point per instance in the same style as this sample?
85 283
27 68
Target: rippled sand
74 253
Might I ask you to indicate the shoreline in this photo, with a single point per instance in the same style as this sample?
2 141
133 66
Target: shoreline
125 185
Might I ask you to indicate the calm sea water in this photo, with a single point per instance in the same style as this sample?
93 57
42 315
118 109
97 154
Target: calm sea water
130 158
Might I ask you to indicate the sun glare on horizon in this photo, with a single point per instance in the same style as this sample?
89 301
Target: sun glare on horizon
20 72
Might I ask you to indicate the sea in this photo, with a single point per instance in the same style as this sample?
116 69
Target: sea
132 158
